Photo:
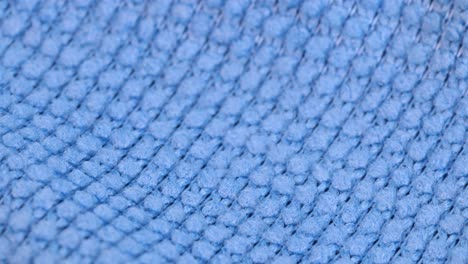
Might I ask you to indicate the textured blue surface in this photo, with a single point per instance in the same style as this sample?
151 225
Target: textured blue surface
220 131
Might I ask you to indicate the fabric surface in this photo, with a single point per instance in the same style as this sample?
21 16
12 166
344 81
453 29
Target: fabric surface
216 131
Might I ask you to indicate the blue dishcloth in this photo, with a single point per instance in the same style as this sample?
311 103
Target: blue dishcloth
289 131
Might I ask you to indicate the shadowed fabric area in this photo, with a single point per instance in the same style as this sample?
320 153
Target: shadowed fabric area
222 131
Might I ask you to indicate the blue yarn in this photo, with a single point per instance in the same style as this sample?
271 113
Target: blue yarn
296 131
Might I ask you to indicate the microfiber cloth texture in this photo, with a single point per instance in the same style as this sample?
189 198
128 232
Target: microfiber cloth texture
237 131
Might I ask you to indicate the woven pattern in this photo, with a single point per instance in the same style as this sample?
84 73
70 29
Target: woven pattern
219 131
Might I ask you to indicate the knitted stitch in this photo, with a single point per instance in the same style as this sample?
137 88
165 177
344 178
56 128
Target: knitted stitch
290 131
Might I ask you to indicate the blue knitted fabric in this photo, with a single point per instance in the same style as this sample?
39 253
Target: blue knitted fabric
212 131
